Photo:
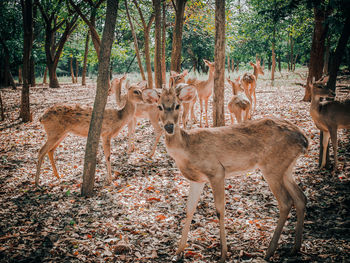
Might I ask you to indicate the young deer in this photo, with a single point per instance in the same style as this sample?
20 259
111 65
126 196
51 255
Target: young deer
239 103
249 81
329 116
60 120
176 78
143 110
210 155
204 90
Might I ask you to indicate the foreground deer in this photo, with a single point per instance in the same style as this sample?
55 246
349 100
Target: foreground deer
204 90
143 110
175 79
210 155
239 104
329 116
249 81
60 120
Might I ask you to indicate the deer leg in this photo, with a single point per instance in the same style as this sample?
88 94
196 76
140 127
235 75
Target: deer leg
192 201
253 93
231 115
193 116
131 135
206 112
218 185
154 119
106 141
299 201
185 112
201 108
325 141
238 115
285 202
334 139
51 144
52 161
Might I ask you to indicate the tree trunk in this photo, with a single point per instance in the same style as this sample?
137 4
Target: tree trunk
45 76
27 12
32 72
219 73
137 51
291 53
279 63
317 49
164 42
228 64
158 45
2 111
71 70
8 78
326 56
148 59
336 60
76 70
20 80
86 52
53 81
273 54
232 65
175 64
100 99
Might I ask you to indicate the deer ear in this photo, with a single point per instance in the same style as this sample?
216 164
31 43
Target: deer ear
185 72
127 84
142 84
185 92
172 73
150 96
252 64
123 77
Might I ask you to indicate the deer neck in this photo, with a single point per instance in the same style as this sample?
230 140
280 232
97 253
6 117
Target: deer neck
211 76
256 74
127 111
174 141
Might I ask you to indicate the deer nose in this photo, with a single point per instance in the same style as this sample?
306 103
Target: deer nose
169 128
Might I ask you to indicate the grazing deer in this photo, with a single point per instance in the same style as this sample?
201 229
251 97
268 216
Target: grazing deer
143 110
60 120
176 78
329 116
210 155
204 90
249 81
239 103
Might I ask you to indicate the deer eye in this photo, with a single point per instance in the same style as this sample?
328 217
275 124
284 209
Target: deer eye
137 92
160 107
177 107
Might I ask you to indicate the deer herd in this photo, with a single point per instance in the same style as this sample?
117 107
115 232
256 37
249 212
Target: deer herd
209 155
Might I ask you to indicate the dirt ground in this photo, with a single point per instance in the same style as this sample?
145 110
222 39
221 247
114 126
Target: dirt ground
138 218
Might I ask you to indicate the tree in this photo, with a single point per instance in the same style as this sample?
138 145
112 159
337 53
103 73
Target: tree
158 45
146 32
27 13
219 73
100 99
177 36
55 21
86 51
321 12
137 51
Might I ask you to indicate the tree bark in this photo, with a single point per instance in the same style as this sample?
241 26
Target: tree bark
45 76
32 72
8 78
317 48
27 12
86 52
175 64
137 51
326 56
334 67
163 42
158 45
228 64
100 99
20 80
76 70
219 73
273 58
71 70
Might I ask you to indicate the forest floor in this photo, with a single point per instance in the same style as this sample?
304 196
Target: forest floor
139 217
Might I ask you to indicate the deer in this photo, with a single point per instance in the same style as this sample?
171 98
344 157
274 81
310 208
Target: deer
239 104
204 90
61 120
328 116
212 154
176 78
143 110
249 81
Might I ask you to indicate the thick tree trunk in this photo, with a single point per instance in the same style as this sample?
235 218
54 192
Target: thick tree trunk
326 56
45 76
163 42
228 64
177 36
219 73
158 45
279 63
8 78
232 65
53 81
100 99
291 53
27 11
86 52
336 60
317 49
137 51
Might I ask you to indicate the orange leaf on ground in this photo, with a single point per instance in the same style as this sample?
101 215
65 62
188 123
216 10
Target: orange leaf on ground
153 199
160 217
